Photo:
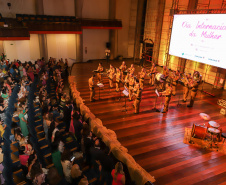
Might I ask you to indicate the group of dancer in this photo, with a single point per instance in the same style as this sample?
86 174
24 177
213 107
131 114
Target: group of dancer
165 82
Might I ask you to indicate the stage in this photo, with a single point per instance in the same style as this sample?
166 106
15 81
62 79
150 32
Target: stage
154 139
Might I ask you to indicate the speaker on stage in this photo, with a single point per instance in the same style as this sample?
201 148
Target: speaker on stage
108 45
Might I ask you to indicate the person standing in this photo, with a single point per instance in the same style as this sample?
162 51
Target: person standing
131 70
166 75
122 69
111 72
91 88
67 114
175 78
152 74
126 81
187 82
137 94
100 70
107 53
23 124
118 79
194 88
131 85
167 93
142 77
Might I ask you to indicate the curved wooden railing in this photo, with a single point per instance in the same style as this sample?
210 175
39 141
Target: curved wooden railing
137 173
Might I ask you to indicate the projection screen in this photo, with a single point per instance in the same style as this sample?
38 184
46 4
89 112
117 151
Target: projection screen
200 37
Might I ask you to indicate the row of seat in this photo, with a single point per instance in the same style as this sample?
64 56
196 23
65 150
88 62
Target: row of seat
10 162
2 21
45 18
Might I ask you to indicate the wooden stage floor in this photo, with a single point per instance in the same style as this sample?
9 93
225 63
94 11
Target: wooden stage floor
155 140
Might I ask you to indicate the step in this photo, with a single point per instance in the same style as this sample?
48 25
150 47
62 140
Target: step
39 128
50 166
93 180
18 181
43 147
13 148
73 149
35 105
38 109
22 183
15 120
14 158
47 155
18 172
40 134
42 141
67 142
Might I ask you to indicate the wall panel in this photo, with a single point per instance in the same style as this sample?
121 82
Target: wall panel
123 13
62 46
17 7
94 42
59 7
98 9
25 50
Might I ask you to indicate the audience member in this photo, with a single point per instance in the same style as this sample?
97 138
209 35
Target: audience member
67 165
118 174
54 178
56 157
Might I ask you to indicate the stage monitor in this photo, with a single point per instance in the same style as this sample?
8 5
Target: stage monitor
200 37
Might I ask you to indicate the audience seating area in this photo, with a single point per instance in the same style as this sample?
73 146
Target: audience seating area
38 103
45 18
50 136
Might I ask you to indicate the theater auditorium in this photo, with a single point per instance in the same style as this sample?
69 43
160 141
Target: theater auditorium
112 92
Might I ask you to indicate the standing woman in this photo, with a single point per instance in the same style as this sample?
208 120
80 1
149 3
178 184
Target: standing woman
118 174
21 70
111 75
24 71
23 123
100 70
142 76
31 73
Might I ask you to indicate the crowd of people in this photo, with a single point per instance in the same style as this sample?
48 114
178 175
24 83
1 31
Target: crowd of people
60 118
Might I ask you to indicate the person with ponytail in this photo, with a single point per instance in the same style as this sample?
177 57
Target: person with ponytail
118 174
